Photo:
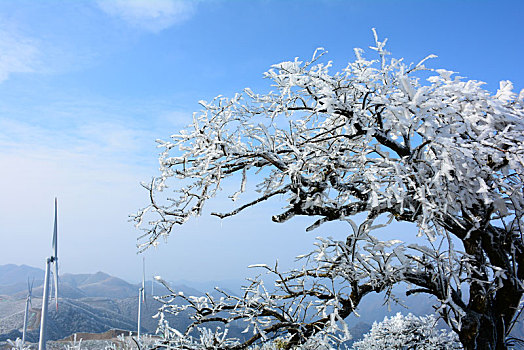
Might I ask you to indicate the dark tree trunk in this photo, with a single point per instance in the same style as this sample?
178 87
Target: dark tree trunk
482 332
489 314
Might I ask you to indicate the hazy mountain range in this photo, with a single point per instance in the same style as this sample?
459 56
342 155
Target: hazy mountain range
98 302
87 303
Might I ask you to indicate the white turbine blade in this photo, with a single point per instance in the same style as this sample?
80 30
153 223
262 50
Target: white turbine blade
55 253
55 231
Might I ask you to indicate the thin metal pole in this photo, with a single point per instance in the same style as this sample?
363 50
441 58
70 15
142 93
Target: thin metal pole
25 318
45 299
139 311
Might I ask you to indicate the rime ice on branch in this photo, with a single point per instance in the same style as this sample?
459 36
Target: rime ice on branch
375 138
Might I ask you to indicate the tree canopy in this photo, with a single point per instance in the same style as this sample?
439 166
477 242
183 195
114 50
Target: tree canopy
380 138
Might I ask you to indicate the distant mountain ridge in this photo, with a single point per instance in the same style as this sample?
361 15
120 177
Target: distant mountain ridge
100 284
14 279
14 274
87 303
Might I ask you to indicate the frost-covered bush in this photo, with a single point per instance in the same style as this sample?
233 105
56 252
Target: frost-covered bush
408 332
381 141
17 344
217 339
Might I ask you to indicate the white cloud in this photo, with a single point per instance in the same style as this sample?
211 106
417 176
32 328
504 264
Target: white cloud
93 170
151 15
18 54
94 144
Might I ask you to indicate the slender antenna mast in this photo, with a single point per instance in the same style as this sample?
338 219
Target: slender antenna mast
143 279
141 296
27 303
53 259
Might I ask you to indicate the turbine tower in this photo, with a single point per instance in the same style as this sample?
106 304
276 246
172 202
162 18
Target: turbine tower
53 259
27 303
141 295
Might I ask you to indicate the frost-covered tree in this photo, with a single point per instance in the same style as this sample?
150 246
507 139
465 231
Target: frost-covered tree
408 332
379 140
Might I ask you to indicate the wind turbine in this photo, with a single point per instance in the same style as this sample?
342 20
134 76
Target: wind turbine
27 303
53 259
141 295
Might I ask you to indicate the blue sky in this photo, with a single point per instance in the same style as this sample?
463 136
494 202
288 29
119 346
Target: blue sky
87 86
